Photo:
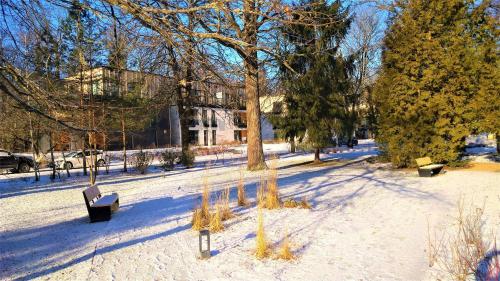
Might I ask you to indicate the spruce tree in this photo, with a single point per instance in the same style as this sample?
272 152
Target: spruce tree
428 81
313 87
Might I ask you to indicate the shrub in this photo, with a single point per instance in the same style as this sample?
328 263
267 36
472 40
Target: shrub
262 248
141 160
187 158
168 159
460 254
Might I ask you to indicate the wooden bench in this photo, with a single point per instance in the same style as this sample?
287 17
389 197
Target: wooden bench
426 168
100 207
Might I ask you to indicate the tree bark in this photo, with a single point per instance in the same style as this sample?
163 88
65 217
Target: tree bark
255 152
35 168
292 145
497 136
53 176
124 142
316 155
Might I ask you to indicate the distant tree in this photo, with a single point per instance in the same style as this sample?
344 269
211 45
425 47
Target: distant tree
429 80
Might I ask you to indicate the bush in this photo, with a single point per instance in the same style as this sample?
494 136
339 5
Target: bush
141 160
461 253
168 159
187 158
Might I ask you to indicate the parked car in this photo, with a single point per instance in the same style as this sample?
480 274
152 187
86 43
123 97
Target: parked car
14 163
75 159
344 141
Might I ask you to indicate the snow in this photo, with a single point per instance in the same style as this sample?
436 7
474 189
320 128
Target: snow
368 222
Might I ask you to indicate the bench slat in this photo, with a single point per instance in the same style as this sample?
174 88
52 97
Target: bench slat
106 200
424 161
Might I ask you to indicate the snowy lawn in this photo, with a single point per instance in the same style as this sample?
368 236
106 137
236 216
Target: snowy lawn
367 222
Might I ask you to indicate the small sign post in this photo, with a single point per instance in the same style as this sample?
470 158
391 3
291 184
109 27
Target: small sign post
204 243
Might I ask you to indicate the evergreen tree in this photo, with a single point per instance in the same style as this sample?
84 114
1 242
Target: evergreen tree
312 89
484 22
428 81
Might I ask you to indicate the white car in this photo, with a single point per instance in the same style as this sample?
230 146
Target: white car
75 159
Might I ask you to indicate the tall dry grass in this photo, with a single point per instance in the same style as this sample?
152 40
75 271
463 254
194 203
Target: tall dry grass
261 190
262 248
223 202
201 216
242 200
216 224
272 194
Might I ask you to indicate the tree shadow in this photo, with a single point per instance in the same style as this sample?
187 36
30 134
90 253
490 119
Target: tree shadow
60 242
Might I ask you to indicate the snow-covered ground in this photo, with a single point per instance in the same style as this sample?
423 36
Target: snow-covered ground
367 222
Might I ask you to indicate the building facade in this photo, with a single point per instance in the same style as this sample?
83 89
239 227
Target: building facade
218 111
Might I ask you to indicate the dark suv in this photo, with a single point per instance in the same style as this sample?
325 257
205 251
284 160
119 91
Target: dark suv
17 164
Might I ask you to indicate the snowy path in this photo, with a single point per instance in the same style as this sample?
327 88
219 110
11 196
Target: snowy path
366 224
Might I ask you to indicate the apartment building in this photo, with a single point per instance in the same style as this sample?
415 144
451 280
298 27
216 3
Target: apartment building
218 111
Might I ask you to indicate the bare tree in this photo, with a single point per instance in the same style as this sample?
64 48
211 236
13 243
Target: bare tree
241 26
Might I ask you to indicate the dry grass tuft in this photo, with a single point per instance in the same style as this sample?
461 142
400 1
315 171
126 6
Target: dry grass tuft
242 200
216 224
197 221
261 190
285 251
272 194
304 204
262 248
205 199
201 216
223 202
292 203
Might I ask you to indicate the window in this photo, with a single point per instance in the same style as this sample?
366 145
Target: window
205 138
214 119
193 119
193 137
132 87
214 137
237 136
96 88
204 117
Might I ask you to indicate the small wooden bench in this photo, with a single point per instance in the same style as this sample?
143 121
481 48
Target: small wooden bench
426 168
100 207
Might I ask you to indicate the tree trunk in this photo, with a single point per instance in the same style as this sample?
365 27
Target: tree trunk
84 157
497 136
316 156
254 135
292 145
65 165
53 176
255 153
35 168
124 142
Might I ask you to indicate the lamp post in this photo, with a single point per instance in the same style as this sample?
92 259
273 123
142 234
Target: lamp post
204 243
